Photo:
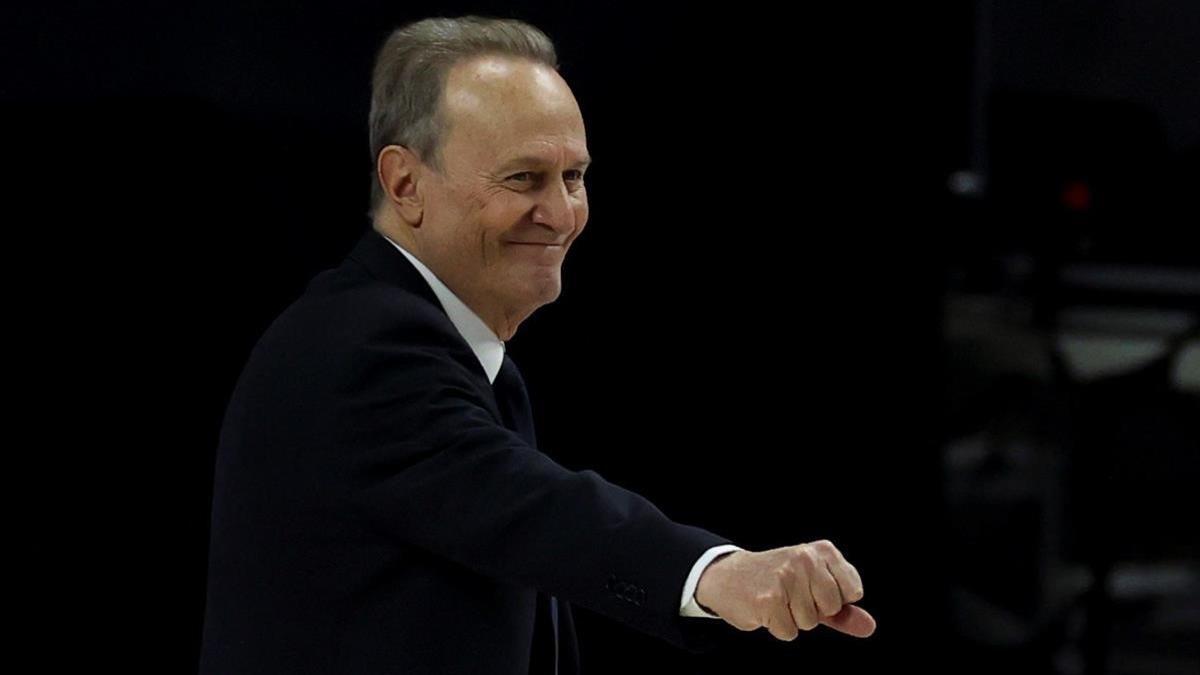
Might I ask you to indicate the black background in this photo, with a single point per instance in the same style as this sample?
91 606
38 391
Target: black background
764 264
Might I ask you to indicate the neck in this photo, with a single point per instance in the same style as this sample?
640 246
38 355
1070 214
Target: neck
502 322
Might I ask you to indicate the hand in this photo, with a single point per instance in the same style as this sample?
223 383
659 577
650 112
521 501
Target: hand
787 590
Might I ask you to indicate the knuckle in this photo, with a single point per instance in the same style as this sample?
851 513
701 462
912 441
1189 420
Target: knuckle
769 598
805 558
825 547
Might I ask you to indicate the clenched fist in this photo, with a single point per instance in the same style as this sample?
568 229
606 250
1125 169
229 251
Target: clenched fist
787 590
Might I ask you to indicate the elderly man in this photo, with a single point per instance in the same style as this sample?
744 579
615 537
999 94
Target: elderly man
380 502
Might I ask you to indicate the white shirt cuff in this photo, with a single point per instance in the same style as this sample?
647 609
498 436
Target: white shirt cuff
688 605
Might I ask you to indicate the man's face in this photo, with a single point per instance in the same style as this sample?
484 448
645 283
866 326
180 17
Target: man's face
509 199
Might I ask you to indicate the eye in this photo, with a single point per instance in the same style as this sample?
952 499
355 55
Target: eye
522 177
574 175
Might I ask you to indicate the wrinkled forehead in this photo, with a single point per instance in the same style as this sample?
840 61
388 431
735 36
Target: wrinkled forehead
497 108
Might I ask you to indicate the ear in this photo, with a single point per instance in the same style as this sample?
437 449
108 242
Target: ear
398 170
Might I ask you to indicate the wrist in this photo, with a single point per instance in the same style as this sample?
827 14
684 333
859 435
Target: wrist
708 582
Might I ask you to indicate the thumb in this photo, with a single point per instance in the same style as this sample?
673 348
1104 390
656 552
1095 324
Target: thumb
852 621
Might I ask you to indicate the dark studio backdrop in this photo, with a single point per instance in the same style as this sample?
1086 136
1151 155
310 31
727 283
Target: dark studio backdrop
837 262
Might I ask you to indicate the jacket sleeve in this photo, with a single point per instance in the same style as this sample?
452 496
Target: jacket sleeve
428 463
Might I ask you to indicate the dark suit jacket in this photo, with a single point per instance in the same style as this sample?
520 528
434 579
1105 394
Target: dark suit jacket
372 514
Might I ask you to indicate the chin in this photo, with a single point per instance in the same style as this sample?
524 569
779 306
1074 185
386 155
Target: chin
547 287
549 294
536 292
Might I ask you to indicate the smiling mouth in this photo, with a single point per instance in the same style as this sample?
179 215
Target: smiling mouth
534 243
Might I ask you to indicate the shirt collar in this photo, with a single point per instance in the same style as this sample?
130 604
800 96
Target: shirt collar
486 345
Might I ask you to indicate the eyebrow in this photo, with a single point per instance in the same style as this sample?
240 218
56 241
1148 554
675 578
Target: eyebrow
528 160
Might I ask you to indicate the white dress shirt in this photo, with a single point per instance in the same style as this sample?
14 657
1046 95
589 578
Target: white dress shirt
489 349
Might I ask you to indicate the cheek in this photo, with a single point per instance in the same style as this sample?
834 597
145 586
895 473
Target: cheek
581 216
445 223
502 215
487 229
473 222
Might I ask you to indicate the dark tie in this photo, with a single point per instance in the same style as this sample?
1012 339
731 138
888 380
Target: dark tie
513 400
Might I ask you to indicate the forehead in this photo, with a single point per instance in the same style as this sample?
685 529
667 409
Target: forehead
501 108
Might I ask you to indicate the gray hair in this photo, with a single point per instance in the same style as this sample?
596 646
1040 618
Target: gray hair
410 74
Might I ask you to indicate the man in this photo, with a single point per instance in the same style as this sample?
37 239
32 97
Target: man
380 504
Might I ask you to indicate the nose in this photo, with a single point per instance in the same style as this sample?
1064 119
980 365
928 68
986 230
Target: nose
555 208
